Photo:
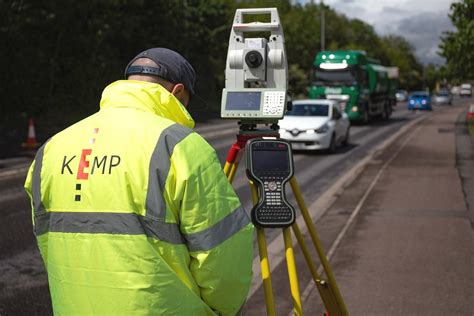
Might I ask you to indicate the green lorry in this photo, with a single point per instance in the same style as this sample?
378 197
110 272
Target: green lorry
364 88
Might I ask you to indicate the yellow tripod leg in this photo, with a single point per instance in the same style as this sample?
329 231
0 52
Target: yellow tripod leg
325 292
226 169
306 253
233 169
265 267
264 264
292 275
318 246
229 170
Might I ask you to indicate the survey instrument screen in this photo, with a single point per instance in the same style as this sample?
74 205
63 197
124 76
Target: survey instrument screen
243 101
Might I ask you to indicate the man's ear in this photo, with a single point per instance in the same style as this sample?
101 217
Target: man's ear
180 93
178 90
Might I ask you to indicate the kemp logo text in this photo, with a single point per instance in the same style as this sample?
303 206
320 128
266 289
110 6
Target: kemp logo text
95 164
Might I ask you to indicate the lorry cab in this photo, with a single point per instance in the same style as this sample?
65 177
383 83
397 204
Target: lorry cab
359 83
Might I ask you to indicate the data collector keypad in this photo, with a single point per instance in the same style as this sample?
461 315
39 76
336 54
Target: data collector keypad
273 209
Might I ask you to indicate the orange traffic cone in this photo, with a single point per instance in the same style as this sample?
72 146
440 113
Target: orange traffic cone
31 139
470 113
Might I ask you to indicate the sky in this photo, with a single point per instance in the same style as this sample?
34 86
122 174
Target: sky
421 22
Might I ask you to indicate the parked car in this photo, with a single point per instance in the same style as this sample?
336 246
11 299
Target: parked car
443 97
315 125
466 90
455 90
419 100
401 95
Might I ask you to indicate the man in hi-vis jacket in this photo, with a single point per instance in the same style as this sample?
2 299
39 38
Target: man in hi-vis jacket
131 210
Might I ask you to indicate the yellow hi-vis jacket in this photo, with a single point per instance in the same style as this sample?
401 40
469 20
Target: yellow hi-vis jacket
134 216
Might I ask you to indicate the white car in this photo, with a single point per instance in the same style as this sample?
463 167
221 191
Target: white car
443 97
401 95
466 90
315 124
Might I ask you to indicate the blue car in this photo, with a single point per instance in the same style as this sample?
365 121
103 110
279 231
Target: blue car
419 100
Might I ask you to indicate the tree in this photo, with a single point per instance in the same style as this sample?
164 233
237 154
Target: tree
399 53
58 55
458 46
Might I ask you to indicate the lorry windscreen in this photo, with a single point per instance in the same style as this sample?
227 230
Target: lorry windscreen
336 77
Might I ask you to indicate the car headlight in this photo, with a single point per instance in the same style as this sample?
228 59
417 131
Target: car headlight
323 129
355 109
423 101
412 101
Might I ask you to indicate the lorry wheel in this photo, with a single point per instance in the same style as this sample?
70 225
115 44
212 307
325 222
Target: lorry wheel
383 116
366 118
386 113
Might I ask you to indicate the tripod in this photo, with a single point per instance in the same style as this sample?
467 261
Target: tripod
328 290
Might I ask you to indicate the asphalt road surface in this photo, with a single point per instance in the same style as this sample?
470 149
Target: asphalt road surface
23 282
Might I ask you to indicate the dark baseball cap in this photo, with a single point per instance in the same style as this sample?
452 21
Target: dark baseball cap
171 66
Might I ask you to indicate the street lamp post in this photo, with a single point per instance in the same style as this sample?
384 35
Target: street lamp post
322 38
322 27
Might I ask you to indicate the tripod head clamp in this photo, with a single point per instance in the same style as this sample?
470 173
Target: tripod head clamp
246 127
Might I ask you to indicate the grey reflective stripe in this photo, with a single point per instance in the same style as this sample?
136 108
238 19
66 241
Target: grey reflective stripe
159 168
41 223
133 224
107 223
163 231
36 181
213 236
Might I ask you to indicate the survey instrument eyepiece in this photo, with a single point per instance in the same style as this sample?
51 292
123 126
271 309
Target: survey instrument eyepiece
253 59
256 75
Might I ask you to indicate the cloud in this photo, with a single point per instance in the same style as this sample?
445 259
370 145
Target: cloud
423 31
349 8
421 22
393 10
424 23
